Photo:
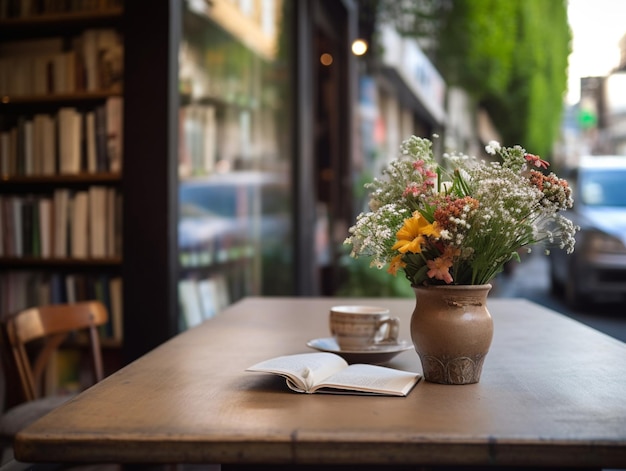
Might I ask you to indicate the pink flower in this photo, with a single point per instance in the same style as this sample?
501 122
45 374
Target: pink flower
536 160
418 164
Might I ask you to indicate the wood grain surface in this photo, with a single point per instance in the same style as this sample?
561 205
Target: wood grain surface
552 393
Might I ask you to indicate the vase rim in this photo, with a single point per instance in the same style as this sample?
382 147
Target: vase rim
453 287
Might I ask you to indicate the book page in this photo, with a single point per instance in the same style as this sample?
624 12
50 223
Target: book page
303 370
371 379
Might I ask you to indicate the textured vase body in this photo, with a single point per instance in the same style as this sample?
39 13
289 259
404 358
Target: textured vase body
451 329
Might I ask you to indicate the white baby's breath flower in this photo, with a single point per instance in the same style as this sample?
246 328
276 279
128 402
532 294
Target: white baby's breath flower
492 147
445 234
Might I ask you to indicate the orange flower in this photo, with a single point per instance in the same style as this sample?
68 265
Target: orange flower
395 264
440 267
412 235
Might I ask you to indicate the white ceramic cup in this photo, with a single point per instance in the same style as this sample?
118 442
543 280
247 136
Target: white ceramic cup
362 327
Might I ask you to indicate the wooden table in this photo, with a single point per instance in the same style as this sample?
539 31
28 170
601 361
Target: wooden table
552 393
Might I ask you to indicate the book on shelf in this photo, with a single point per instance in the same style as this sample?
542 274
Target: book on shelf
190 303
42 67
57 289
97 221
203 298
220 288
79 224
101 50
28 9
67 223
114 112
198 143
118 220
7 225
5 155
37 143
2 226
93 61
24 61
12 296
110 222
70 289
90 142
45 226
18 241
329 373
69 140
207 291
61 202
29 239
22 289
116 308
46 144
27 146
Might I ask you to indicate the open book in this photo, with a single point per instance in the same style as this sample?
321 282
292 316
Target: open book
327 372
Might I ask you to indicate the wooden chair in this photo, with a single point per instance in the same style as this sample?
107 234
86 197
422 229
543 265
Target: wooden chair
45 327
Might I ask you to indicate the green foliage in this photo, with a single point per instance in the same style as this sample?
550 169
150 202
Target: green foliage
361 280
529 109
477 45
510 55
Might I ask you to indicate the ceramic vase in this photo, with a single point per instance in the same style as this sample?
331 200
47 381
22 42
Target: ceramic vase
451 329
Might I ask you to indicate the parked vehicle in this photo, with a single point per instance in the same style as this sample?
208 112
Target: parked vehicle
252 204
236 216
596 270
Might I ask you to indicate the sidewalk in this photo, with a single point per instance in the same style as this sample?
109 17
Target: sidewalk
526 279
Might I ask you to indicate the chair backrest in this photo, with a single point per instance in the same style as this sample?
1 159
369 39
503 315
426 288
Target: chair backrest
52 324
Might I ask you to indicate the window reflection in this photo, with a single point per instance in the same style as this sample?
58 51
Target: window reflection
234 183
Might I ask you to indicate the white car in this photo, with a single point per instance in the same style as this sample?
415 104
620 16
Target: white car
596 270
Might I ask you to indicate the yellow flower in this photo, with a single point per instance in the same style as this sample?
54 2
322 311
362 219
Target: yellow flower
413 233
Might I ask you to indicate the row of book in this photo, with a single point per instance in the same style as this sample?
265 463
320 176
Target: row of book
33 8
94 61
69 142
24 289
67 224
197 152
201 298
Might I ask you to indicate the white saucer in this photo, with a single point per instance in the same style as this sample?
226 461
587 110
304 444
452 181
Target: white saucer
375 355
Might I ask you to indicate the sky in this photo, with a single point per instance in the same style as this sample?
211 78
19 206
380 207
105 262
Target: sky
597 26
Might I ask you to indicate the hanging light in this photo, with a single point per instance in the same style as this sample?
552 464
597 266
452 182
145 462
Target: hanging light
359 47
326 59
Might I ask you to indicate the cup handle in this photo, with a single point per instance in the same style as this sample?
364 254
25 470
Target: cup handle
392 331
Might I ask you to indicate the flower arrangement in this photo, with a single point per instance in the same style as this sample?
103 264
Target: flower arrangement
461 221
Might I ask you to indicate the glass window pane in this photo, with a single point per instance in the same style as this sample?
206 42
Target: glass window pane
235 226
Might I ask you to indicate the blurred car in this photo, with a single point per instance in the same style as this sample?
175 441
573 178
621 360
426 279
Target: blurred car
596 270
199 227
255 204
227 217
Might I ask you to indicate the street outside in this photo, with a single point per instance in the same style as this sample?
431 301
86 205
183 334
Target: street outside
530 279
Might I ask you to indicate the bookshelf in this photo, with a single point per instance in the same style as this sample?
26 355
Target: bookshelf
61 150
278 125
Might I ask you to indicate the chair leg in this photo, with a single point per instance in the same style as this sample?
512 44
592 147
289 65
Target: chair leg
6 454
